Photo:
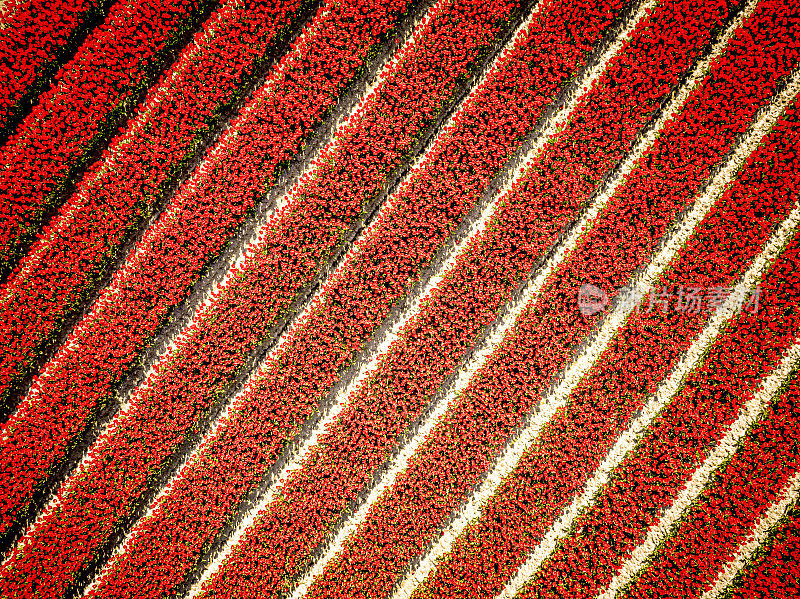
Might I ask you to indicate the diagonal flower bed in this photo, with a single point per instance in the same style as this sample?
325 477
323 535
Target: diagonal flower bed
393 298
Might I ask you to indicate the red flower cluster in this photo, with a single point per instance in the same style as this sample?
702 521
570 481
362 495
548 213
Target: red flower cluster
452 460
119 59
647 348
141 439
351 172
169 258
64 264
359 442
67 541
525 227
723 516
32 40
775 572
317 347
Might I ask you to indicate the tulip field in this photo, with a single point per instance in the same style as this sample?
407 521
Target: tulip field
407 299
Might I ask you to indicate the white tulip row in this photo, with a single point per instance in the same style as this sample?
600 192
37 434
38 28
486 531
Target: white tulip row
575 371
757 538
368 362
400 463
627 441
748 417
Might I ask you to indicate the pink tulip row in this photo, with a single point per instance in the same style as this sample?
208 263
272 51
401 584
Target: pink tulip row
723 516
775 572
33 39
64 264
451 461
415 87
644 353
119 59
168 260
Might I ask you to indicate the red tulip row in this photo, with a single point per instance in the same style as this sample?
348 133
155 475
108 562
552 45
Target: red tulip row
459 450
64 399
640 356
430 346
190 381
326 339
64 264
648 478
32 40
141 407
728 510
376 139
775 573
118 60
368 429
296 528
